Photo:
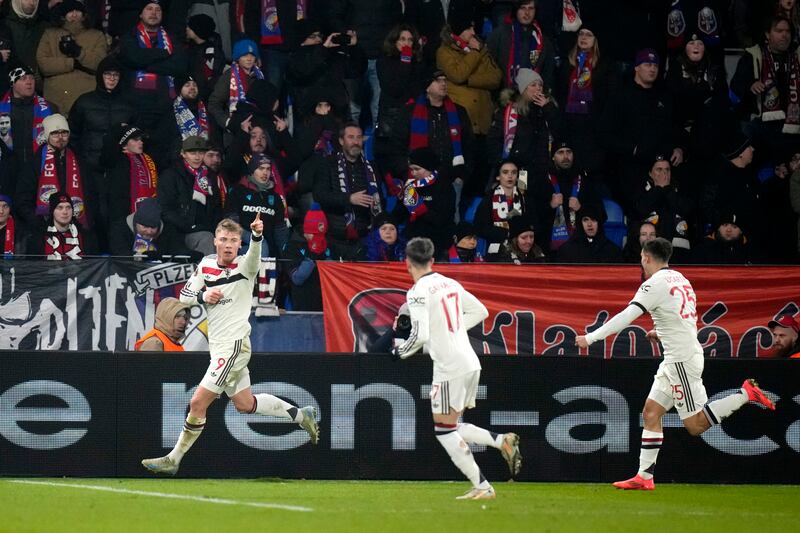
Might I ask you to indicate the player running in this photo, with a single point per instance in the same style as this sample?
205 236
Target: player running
224 283
671 302
441 313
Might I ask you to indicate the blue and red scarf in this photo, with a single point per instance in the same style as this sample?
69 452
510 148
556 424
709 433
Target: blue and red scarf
580 95
41 109
344 185
237 90
420 126
49 184
189 124
412 198
516 59
453 257
270 25
564 226
147 81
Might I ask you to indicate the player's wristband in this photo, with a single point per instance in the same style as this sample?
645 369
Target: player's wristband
256 236
200 299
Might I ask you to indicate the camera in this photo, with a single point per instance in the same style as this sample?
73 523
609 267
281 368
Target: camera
342 39
403 328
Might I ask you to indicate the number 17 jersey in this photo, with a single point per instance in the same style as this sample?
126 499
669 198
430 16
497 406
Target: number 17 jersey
670 299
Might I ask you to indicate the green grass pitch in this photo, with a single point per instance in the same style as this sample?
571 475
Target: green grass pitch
155 505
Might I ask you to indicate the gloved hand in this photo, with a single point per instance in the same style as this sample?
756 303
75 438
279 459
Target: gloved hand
69 47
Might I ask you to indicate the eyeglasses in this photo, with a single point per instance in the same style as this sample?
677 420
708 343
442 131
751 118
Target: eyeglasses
111 74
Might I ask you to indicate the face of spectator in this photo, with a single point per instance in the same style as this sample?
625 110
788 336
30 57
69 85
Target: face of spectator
729 232
151 15
258 140
194 158
661 173
5 212
111 79
564 158
73 16
5 124
25 86
526 13
247 61
779 37
134 146
322 108
468 242
586 39
695 50
647 232
508 175
783 339
388 233
227 244
525 241
352 142
438 88
189 90
467 34
313 39
589 226
213 160
646 74
746 157
263 173
417 172
405 39
58 139
787 5
533 90
62 215
28 6
179 323
145 231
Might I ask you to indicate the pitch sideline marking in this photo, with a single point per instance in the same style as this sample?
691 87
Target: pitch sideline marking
221 501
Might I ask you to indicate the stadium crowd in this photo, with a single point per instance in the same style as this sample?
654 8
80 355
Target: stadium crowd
520 131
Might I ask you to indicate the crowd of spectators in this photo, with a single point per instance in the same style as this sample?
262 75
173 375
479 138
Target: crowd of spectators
504 130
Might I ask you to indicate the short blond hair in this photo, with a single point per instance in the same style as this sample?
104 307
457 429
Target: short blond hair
226 224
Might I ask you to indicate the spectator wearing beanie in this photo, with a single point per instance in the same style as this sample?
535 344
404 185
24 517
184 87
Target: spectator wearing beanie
302 254
432 18
27 110
318 133
204 53
503 202
520 43
465 245
589 243
384 242
232 85
189 118
521 247
25 25
153 59
728 245
63 237
56 167
69 55
143 233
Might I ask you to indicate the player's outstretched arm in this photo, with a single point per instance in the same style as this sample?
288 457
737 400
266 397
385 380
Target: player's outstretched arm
620 321
420 329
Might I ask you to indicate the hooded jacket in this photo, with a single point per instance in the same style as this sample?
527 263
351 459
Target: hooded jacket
160 338
583 249
26 32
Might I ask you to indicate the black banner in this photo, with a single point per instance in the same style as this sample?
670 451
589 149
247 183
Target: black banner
99 414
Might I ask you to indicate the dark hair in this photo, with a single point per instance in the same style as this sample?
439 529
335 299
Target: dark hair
775 20
389 43
659 249
349 124
419 251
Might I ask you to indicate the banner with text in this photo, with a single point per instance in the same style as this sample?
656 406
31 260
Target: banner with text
540 309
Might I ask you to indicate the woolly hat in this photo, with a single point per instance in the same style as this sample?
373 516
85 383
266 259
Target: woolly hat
256 161
525 77
55 122
68 6
737 143
145 3
464 229
7 199
148 213
647 55
244 47
303 28
182 80
128 133
315 221
382 219
425 158
58 197
14 75
561 143
593 212
460 21
519 225
430 75
732 216
202 25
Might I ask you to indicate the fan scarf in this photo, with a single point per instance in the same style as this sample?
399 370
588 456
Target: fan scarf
142 245
510 121
412 198
563 228
580 94
237 91
41 109
188 124
466 256
419 127
771 98
570 17
516 60
270 25
8 242
202 186
324 144
143 177
49 183
503 206
344 185
63 245
147 81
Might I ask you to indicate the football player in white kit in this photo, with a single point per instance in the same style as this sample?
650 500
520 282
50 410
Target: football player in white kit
224 284
441 313
671 302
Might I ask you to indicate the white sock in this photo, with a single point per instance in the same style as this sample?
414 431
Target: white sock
460 454
719 410
191 430
269 405
648 453
477 435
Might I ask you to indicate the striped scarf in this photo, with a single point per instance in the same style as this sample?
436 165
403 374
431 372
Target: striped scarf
237 92
143 177
41 109
49 183
8 242
503 207
344 185
189 124
510 121
270 25
420 126
516 60
563 227
580 95
147 80
201 189
63 244
412 198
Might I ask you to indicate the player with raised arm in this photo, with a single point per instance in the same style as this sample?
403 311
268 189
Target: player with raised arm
441 313
224 284
671 302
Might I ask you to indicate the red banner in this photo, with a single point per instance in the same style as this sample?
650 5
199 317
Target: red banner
540 309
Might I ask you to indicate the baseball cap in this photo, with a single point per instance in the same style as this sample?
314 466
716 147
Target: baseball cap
785 321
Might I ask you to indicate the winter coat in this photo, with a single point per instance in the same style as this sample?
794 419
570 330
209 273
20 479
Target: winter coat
64 81
713 250
219 10
196 57
670 209
581 249
400 82
168 242
26 32
730 188
219 101
471 77
430 18
371 19
484 223
499 44
178 209
306 296
287 15
437 223
245 200
505 255
748 71
541 191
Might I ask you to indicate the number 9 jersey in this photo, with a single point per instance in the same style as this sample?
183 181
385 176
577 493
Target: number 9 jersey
441 313
669 298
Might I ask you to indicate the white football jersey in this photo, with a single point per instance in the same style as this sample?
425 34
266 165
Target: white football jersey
669 298
228 319
441 313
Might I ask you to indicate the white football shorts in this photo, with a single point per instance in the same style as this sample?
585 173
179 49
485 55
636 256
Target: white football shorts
457 394
680 385
227 371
